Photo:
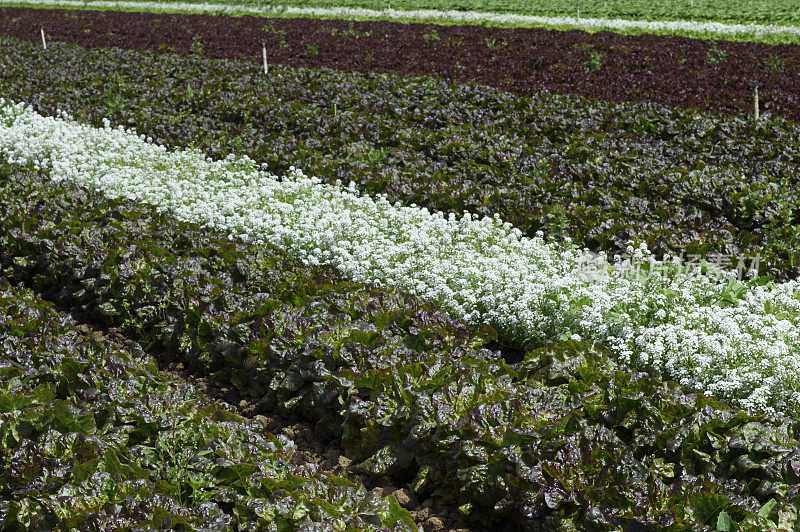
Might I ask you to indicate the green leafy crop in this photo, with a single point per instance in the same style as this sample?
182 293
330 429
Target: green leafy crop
565 437
602 174
92 437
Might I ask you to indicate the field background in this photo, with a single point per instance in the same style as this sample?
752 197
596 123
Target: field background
688 18
731 11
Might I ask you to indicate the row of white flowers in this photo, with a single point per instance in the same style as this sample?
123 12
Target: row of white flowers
432 14
479 269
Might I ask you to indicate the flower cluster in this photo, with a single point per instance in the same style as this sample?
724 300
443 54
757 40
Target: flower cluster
734 340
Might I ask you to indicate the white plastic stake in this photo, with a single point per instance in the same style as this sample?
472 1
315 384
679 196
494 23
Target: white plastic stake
44 42
264 55
755 98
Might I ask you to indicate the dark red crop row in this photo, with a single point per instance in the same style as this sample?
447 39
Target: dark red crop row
675 71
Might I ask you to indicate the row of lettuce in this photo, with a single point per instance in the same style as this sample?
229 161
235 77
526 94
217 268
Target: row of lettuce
476 432
677 72
730 17
601 174
92 437
738 341
564 438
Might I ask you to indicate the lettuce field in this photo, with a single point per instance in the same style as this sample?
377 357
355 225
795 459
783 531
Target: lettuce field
773 21
502 279
763 11
674 71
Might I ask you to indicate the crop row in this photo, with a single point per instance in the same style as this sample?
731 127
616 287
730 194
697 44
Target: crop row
566 436
675 71
741 29
368 364
765 11
92 436
736 341
601 174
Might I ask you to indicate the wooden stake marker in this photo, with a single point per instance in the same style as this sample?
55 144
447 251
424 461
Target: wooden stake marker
44 42
264 55
755 85
755 98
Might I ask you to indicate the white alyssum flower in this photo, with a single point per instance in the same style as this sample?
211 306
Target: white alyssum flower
480 269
